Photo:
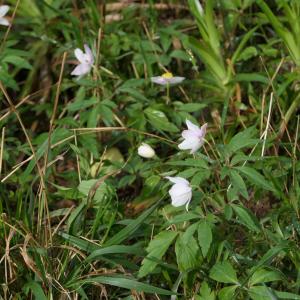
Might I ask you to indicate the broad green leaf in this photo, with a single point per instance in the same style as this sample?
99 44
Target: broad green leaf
238 183
261 293
187 253
246 218
17 61
223 272
241 140
263 275
159 120
87 186
227 293
204 237
287 295
156 249
256 178
205 292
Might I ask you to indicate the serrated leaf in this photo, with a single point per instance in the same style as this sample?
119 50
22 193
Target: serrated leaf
187 253
159 120
263 275
156 249
223 272
261 293
238 183
256 178
204 237
227 293
246 218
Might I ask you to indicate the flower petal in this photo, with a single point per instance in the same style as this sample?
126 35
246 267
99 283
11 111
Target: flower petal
81 69
4 21
89 53
180 194
203 130
191 126
3 10
177 180
175 80
186 134
159 80
80 55
189 143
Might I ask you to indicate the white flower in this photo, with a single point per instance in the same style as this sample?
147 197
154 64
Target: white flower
146 151
3 11
86 60
167 79
193 137
180 192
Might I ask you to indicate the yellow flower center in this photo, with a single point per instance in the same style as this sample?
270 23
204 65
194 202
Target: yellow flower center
167 75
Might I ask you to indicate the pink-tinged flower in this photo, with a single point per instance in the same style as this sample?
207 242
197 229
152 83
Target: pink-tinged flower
180 192
167 79
3 11
86 60
193 137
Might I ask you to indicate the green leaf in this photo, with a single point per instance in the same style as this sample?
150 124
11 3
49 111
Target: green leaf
86 187
115 249
227 293
261 293
238 183
263 275
204 237
246 218
192 107
122 282
159 120
131 227
241 140
223 272
156 249
205 292
36 290
82 104
17 61
256 178
286 295
187 253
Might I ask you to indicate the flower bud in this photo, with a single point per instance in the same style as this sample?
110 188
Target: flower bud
146 151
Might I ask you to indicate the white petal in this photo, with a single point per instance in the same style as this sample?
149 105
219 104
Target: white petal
178 180
186 134
159 80
4 22
191 126
203 130
197 147
189 143
180 194
146 151
79 55
89 53
175 80
3 10
81 69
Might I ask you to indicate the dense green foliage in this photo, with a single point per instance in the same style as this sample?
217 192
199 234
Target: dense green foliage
83 216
